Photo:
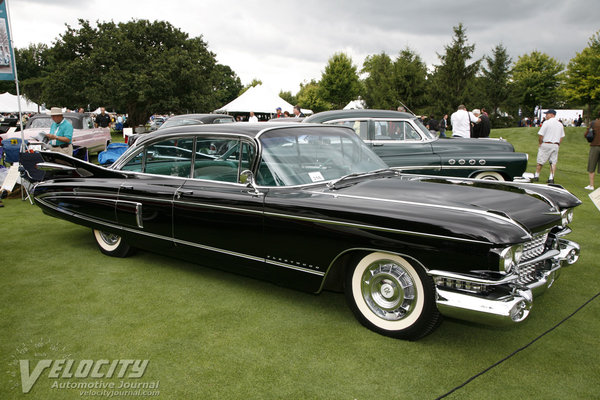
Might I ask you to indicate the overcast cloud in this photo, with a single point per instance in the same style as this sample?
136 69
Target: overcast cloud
284 43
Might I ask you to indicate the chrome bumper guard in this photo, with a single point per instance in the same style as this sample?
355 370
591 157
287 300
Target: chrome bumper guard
507 301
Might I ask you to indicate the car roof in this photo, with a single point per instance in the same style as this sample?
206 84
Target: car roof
248 129
70 115
343 114
200 116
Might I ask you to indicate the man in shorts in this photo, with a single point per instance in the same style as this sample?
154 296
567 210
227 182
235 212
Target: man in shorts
594 156
551 135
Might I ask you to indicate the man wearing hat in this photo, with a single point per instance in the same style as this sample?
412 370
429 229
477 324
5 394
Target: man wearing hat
551 135
61 132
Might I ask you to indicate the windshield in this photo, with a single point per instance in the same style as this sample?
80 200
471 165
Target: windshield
296 156
426 132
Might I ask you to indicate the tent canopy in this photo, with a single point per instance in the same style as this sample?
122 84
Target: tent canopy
260 100
9 104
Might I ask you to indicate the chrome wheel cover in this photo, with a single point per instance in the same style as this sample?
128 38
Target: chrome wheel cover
388 290
109 238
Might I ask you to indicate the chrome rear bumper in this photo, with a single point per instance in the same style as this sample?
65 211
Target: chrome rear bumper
506 301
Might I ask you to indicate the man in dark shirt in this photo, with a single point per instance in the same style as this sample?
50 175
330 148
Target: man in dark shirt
102 119
482 127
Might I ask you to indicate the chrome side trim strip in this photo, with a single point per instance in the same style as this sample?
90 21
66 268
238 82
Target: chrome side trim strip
468 210
182 242
372 227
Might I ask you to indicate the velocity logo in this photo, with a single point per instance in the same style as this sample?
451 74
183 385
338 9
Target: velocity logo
68 368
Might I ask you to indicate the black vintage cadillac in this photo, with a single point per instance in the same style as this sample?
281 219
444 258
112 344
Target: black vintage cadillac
310 206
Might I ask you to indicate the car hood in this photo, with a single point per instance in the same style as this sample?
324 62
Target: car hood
455 202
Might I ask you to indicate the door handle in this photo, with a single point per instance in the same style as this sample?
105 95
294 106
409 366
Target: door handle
127 187
184 192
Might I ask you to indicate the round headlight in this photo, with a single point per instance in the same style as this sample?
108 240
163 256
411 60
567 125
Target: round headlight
506 259
517 253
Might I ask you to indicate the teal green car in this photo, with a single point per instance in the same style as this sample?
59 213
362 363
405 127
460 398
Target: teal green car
404 143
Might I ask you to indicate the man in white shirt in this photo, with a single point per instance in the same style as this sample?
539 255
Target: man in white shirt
253 118
461 122
550 136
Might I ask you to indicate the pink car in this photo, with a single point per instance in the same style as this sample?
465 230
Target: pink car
84 133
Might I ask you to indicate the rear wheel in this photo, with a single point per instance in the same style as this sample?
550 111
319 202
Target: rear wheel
490 176
111 244
392 297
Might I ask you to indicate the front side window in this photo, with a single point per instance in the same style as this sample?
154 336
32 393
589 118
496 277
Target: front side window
222 159
395 130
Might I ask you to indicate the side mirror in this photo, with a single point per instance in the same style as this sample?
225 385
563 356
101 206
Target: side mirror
247 177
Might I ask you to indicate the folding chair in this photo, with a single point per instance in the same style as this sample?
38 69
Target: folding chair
30 175
12 148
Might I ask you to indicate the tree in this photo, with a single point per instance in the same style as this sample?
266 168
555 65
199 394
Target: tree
410 80
582 83
451 79
495 81
309 96
31 62
287 96
339 82
378 86
226 85
536 80
140 67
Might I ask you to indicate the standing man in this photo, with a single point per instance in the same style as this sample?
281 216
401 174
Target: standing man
551 135
461 122
253 118
61 132
297 112
443 125
594 155
278 113
102 119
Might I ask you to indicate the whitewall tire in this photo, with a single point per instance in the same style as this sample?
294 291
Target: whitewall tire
490 176
111 244
392 296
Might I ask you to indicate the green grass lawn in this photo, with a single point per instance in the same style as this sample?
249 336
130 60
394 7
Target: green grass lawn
212 335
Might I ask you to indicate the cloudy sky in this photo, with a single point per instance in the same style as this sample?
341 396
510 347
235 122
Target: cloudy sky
284 43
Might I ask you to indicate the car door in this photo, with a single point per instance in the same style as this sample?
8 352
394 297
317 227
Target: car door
401 145
215 216
145 203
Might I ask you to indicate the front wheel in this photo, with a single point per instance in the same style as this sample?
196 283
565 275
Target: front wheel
111 244
490 176
392 297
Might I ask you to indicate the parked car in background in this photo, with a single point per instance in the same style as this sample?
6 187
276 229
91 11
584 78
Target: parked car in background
185 120
157 123
196 119
404 143
84 132
312 207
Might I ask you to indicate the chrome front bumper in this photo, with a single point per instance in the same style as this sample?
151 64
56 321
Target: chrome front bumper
505 301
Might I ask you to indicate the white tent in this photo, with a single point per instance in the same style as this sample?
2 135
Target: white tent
260 100
356 105
9 104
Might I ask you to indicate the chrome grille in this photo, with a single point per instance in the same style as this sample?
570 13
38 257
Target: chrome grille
528 273
535 247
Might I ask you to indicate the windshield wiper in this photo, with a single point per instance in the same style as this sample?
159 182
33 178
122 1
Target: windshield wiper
334 184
